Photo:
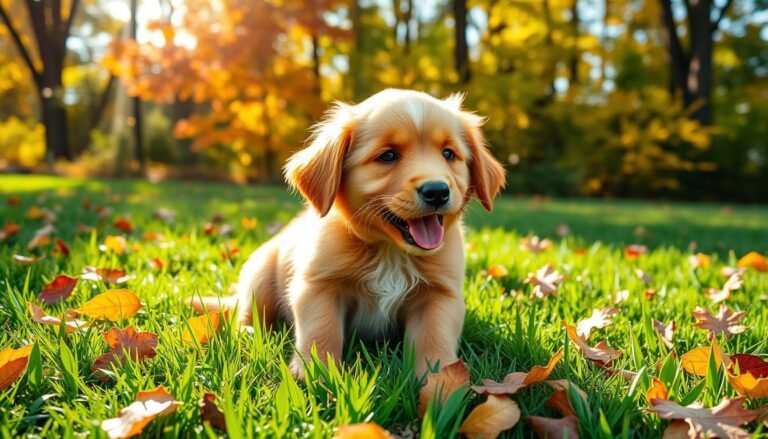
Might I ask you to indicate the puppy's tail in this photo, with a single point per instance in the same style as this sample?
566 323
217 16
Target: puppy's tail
211 303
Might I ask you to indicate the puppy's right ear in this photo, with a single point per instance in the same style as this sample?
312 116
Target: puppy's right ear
316 170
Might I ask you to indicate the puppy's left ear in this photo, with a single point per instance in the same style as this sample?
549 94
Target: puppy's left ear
316 170
487 174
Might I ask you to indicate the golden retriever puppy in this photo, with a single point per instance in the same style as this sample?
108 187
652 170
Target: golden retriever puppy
381 247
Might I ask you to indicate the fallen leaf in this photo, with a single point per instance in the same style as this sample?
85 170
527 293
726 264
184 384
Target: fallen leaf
554 428
489 419
210 412
27 260
62 246
441 385
634 251
730 271
696 361
497 271
721 421
366 430
699 260
600 354
599 319
649 294
148 405
558 401
249 223
643 276
754 260
545 281
123 224
33 213
117 244
724 322
12 364
58 289
111 275
515 381
657 390
9 229
202 328
42 237
154 237
125 343
667 332
112 305
157 264
534 244
620 296
733 283
70 322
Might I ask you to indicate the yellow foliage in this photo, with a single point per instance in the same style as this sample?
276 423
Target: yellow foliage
21 142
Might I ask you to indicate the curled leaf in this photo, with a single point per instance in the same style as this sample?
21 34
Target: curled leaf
452 378
12 364
210 412
70 322
600 354
723 420
148 405
516 381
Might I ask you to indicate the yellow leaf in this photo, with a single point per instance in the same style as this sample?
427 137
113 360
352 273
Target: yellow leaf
202 328
367 430
112 305
695 361
755 261
12 364
490 418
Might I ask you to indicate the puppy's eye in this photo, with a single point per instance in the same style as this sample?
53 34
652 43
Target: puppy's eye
449 154
388 156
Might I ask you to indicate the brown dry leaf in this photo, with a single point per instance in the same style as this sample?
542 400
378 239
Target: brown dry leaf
554 428
667 332
366 430
558 401
721 421
545 281
657 390
441 385
58 289
41 237
497 271
202 328
125 343
70 322
210 412
534 244
733 283
643 276
599 319
724 322
12 364
515 381
27 260
600 354
111 275
148 405
754 260
489 419
112 305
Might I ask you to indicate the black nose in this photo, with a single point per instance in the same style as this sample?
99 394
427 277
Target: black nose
435 193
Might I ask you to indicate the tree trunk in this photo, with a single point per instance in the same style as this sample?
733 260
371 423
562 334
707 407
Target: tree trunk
698 85
575 54
461 50
54 117
356 55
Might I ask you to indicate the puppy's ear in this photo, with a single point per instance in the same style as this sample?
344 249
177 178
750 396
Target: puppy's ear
316 170
488 176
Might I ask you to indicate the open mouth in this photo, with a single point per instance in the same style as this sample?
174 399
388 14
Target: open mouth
426 232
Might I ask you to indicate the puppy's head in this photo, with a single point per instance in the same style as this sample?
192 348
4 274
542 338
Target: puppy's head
400 166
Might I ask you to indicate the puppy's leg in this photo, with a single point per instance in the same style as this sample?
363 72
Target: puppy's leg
318 321
434 329
258 282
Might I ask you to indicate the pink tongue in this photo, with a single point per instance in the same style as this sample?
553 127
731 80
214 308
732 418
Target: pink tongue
426 231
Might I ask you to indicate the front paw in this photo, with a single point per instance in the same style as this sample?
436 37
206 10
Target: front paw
296 367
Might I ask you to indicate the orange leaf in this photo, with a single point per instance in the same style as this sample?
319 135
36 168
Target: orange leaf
12 364
541 373
111 275
123 224
202 328
62 246
696 360
497 271
750 383
657 390
42 237
490 418
754 260
58 289
112 305
515 381
249 223
117 244
362 431
720 421
10 229
148 405
558 401
634 251
554 428
125 343
70 322
599 319
724 322
699 260
600 354
210 412
441 385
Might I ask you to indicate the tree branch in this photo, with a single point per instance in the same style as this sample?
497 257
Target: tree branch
70 18
723 11
20 46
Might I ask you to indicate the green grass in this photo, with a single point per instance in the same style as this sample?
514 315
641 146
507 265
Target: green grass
58 397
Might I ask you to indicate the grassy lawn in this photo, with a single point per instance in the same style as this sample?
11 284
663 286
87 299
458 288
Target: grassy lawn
505 331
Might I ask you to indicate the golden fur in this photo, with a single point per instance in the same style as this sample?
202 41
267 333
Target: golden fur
342 267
